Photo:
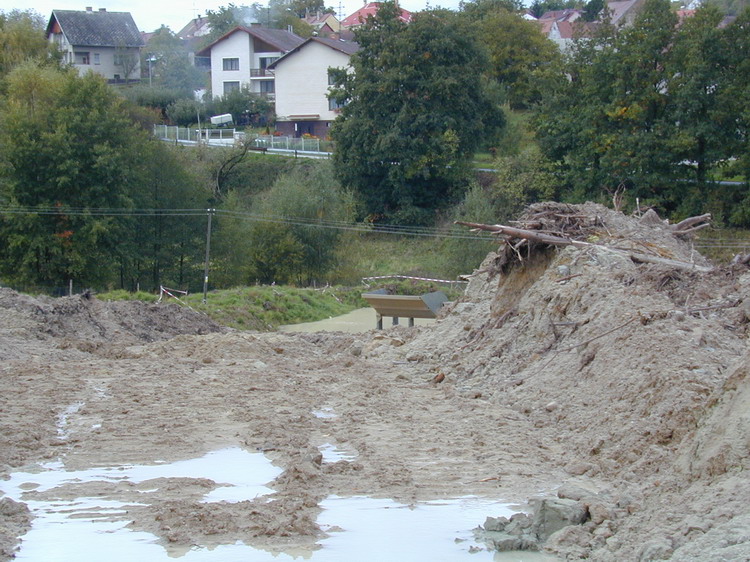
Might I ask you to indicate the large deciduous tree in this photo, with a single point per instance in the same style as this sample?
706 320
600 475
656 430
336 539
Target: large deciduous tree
21 39
640 108
71 155
517 49
416 108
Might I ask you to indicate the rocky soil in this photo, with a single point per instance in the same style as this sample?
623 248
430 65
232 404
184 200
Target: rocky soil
618 387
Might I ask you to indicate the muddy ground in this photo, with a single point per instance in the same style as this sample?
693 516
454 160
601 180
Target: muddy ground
577 371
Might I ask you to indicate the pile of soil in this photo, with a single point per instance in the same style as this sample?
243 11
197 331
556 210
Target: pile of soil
617 384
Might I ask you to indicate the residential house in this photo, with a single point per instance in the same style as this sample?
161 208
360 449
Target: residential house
195 29
324 25
303 82
242 56
369 10
107 43
624 13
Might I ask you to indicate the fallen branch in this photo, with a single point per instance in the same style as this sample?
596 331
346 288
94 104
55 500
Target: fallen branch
530 235
714 307
689 223
553 240
588 341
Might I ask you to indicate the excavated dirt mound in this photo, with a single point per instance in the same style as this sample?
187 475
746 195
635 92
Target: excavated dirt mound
610 372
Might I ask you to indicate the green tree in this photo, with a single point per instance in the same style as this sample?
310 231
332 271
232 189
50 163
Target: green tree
72 154
246 106
477 10
313 201
604 115
735 98
541 7
225 18
22 39
517 49
416 109
165 63
703 129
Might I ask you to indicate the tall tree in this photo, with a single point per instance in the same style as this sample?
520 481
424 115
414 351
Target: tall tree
735 98
517 49
702 127
21 39
416 108
604 116
71 151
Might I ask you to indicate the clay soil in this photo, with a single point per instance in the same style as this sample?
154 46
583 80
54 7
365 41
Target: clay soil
574 368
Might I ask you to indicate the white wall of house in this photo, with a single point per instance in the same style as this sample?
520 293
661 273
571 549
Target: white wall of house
238 45
237 51
302 81
101 60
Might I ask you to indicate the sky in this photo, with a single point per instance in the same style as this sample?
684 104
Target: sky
149 15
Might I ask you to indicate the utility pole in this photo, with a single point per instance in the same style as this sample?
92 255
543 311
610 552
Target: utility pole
208 253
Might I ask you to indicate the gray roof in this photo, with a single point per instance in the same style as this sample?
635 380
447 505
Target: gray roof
280 39
346 47
97 28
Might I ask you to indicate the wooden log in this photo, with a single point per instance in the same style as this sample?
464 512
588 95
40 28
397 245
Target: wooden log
542 238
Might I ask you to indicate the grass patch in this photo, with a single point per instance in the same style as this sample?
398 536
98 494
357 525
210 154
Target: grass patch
268 307
123 295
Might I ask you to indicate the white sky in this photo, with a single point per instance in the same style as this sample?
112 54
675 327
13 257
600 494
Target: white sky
150 14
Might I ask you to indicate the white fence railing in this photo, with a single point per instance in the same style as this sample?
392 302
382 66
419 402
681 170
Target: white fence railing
185 134
287 143
231 136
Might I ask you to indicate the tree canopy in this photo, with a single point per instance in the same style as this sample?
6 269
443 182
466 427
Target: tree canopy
70 151
415 109
647 108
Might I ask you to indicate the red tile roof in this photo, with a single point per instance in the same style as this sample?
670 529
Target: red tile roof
370 9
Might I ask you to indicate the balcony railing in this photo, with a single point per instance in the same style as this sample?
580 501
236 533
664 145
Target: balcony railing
260 73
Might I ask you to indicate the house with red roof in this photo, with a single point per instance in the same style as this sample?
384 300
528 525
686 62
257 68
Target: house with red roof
369 10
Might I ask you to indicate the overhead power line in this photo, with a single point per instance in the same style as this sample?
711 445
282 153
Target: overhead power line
432 232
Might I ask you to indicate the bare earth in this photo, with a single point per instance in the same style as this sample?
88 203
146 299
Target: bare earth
624 387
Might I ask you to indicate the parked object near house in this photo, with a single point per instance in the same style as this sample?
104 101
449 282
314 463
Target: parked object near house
242 56
107 43
221 120
302 85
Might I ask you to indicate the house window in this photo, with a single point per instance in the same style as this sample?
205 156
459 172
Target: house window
231 64
230 87
334 105
267 87
331 81
96 58
82 57
266 61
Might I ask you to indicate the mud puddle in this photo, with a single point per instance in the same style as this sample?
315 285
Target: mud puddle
70 525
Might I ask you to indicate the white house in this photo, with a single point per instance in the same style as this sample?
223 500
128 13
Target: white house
107 43
302 85
242 57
